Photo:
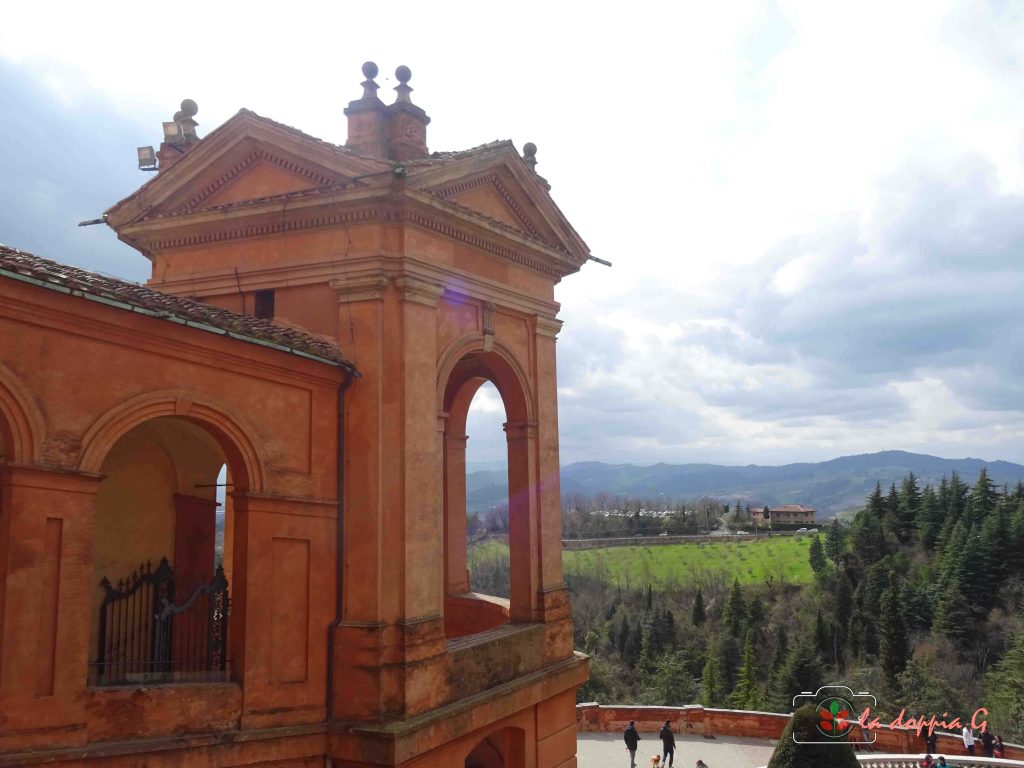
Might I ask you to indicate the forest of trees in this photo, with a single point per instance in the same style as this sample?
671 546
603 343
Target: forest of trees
919 600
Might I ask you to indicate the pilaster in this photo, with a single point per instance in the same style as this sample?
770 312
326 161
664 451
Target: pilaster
523 520
47 518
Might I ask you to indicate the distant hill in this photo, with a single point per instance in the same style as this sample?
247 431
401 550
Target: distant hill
828 486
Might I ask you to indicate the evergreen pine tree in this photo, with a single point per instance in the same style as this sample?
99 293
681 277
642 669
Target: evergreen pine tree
866 540
929 519
747 694
892 513
698 616
734 613
843 610
957 502
894 644
983 497
909 503
712 687
816 555
835 541
622 636
1003 685
952 615
779 654
801 672
876 503
755 615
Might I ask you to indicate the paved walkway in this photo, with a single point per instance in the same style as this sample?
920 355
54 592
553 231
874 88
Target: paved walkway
607 750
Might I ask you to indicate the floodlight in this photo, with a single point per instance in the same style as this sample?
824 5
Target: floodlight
147 159
172 132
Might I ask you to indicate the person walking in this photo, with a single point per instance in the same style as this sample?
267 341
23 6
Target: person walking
968 740
931 739
668 745
632 738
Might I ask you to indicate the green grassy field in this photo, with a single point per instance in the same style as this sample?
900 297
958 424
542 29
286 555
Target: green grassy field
783 558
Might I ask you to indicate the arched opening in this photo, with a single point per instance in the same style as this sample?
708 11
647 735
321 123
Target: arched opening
467 612
505 748
160 607
487 555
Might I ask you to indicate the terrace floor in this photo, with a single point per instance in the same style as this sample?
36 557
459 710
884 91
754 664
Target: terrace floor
607 750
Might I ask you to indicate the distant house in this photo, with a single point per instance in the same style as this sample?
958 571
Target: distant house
789 514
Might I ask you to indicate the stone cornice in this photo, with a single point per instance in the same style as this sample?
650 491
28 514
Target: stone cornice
548 326
339 209
419 291
362 288
369 276
520 430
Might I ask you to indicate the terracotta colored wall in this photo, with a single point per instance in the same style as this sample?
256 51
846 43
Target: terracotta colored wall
90 508
406 298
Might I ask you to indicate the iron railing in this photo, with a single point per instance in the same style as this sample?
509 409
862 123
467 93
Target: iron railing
145 637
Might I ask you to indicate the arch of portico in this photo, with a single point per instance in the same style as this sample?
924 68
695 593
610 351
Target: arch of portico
465 367
22 427
225 427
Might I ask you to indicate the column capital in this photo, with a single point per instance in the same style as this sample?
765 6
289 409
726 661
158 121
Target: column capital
419 290
548 326
520 430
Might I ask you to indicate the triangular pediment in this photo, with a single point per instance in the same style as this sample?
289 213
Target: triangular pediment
248 158
489 200
495 184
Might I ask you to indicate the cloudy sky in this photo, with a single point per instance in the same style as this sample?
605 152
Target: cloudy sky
815 209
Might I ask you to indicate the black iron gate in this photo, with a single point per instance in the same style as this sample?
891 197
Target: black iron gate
146 637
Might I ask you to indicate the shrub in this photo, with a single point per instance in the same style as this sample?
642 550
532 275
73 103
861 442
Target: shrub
789 754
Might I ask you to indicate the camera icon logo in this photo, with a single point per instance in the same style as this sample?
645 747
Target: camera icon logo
838 711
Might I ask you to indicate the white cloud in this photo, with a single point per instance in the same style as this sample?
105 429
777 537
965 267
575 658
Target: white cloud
811 207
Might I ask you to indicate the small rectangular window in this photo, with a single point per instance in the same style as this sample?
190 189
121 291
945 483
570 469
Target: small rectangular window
265 304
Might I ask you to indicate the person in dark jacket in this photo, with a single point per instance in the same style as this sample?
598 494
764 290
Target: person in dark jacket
931 741
668 744
987 742
631 737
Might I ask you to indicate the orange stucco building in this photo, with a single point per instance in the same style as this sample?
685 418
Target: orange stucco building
318 320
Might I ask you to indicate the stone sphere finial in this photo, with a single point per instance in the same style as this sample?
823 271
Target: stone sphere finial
369 70
530 155
189 108
404 74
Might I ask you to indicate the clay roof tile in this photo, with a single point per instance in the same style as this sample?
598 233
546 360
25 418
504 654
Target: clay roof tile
136 296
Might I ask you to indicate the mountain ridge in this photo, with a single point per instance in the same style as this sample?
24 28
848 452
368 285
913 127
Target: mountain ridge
829 486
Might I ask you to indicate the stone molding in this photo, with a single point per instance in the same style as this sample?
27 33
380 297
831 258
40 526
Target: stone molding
548 326
466 185
419 291
368 288
520 430
252 158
